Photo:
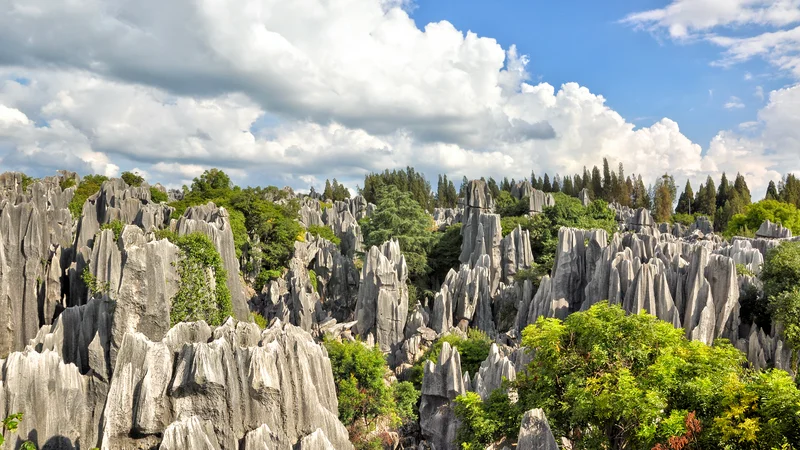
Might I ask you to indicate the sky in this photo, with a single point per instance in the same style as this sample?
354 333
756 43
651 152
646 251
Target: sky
292 93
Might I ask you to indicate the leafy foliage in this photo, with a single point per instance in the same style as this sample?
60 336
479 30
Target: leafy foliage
11 425
132 179
26 182
324 232
94 287
754 215
157 196
115 225
409 181
399 216
445 251
195 300
259 320
265 276
88 186
610 380
365 397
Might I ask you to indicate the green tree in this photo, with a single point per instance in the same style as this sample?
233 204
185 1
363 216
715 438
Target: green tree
664 194
754 215
157 196
399 216
195 300
132 179
546 186
445 251
365 397
789 190
740 186
607 379
772 192
686 200
407 180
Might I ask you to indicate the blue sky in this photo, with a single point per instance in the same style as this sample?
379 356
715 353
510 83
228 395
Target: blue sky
642 77
293 93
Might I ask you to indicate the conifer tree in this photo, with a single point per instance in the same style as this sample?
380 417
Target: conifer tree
686 200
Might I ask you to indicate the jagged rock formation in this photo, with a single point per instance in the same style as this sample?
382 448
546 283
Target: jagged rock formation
538 200
492 372
773 231
535 433
465 299
215 223
294 299
310 213
444 217
35 246
237 377
343 218
584 197
481 235
441 383
382 306
516 253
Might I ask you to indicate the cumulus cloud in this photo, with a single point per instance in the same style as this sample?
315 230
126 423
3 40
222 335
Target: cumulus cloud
734 103
291 93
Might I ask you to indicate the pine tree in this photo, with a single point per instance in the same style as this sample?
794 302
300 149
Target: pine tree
567 187
493 188
790 190
663 195
546 186
607 182
723 193
327 194
597 183
740 186
556 184
709 204
772 192
686 200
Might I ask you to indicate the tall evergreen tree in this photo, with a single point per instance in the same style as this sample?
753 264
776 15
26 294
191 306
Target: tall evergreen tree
546 186
708 203
789 190
556 184
663 196
597 183
608 186
686 200
327 194
740 186
493 188
772 192
641 196
567 187
723 193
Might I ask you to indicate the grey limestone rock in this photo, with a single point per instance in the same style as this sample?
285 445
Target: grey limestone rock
516 253
442 382
482 235
492 372
382 306
535 433
190 432
773 231
240 379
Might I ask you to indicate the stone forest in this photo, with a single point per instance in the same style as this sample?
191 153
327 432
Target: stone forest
579 312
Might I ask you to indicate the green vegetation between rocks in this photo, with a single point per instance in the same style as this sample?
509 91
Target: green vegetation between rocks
365 398
203 293
88 186
473 349
325 232
754 215
611 380
116 226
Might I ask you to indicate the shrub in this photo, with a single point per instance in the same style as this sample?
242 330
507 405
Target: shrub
195 300
742 270
132 179
312 276
10 425
157 196
772 210
89 185
26 182
115 225
66 183
683 219
94 287
324 232
264 277
259 320
473 351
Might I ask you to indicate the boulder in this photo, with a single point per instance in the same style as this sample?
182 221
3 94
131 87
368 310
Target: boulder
535 433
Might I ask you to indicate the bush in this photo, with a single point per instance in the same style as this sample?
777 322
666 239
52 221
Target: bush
785 214
683 219
473 351
116 225
132 179
26 182
89 185
94 287
265 276
445 251
195 300
534 274
324 232
603 376
157 196
259 320
359 374
312 276
66 183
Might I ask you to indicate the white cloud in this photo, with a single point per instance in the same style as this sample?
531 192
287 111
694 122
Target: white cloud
714 20
291 93
734 103
759 93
